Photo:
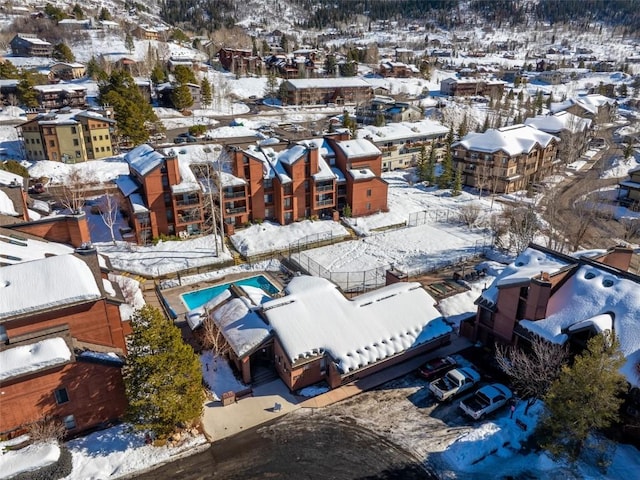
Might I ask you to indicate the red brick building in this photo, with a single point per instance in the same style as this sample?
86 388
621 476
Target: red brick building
313 178
63 340
162 198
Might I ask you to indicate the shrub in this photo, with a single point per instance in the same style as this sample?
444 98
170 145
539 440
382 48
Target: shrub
46 429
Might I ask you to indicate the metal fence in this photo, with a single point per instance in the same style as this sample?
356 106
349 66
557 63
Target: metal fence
430 216
305 243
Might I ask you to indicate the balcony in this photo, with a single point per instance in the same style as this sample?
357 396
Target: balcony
324 188
235 210
189 218
324 203
233 194
187 201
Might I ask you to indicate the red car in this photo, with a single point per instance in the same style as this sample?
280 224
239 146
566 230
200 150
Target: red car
436 367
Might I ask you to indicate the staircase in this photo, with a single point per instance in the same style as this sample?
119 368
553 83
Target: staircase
262 375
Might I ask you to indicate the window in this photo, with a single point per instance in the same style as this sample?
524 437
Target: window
368 206
69 422
75 142
267 183
95 139
52 143
61 396
101 137
102 149
170 215
369 193
165 181
268 198
108 148
287 203
306 185
73 130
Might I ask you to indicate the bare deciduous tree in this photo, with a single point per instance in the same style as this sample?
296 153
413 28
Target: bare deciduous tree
469 214
532 373
109 213
74 193
523 225
630 228
213 339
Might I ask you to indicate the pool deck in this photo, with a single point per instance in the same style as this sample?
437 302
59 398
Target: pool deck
172 295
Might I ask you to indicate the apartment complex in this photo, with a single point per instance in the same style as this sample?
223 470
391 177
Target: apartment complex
61 95
68 136
465 87
401 143
63 343
506 159
314 91
629 190
28 45
383 109
162 196
311 178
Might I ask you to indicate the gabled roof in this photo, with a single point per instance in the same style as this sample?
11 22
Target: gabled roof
126 184
143 159
513 140
599 297
557 122
24 359
314 318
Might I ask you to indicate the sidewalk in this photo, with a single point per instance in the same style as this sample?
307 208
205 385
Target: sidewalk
219 422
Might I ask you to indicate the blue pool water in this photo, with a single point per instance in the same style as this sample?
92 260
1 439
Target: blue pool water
198 298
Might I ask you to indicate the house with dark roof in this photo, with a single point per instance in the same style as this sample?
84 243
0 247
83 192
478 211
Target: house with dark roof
162 197
63 339
313 91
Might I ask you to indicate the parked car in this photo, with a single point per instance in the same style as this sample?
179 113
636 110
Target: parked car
454 382
179 140
436 367
486 400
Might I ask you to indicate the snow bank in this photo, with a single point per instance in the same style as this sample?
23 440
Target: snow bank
29 458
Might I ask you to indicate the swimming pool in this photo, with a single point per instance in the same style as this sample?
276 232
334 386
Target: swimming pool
196 299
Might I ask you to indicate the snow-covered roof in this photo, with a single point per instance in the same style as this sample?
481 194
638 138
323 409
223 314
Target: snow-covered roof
358 147
314 317
143 159
526 266
6 205
342 82
17 248
403 130
324 171
291 155
33 357
137 203
241 325
513 140
47 283
126 184
597 297
557 122
8 178
362 173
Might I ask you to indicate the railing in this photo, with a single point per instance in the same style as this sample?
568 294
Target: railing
323 203
190 201
324 188
236 210
233 194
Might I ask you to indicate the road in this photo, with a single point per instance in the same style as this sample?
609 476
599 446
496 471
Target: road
299 448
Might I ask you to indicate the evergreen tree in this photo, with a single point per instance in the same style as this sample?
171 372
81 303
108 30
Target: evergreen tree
62 52
206 91
8 70
128 43
254 47
423 164
54 13
283 93
95 71
265 47
585 397
27 95
104 14
330 65
181 97
485 124
457 183
348 69
463 128
431 164
623 90
380 121
163 377
284 43
446 176
628 151
350 123
158 75
77 12
271 88
184 74
131 110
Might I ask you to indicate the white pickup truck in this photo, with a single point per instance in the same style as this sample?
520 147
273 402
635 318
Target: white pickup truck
486 400
454 382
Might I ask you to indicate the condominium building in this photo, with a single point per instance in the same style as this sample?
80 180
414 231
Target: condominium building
68 136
